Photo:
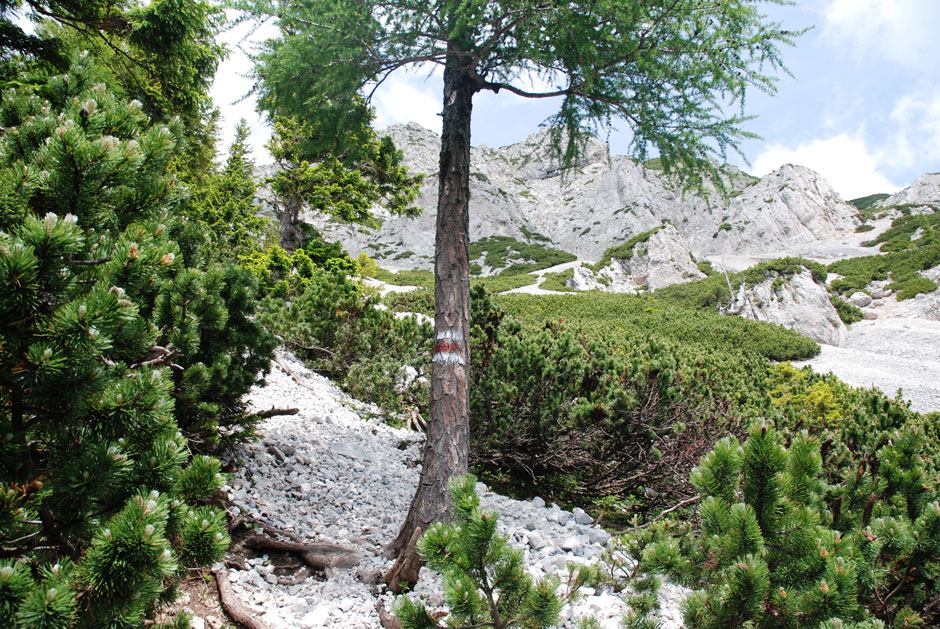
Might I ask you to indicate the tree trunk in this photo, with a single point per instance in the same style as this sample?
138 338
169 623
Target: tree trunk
448 439
291 230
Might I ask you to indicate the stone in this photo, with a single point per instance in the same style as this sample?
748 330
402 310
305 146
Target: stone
597 536
537 540
924 191
859 299
581 517
521 190
538 502
662 260
349 450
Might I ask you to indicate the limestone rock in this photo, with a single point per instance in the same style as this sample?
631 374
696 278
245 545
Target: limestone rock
520 191
859 299
798 303
924 191
791 206
663 260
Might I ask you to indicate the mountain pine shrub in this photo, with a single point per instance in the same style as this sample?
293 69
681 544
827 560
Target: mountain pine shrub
778 540
340 332
485 580
110 344
558 413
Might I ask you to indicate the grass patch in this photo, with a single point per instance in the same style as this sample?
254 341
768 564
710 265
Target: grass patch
620 319
412 277
503 282
847 312
624 251
865 203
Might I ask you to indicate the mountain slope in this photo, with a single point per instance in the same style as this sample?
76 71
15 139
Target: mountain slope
519 191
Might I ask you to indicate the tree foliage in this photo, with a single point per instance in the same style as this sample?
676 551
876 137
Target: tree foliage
672 70
485 582
113 341
162 53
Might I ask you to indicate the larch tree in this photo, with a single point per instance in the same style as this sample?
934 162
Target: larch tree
676 71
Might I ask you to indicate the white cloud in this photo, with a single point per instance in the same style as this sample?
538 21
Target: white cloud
903 31
917 140
410 97
843 160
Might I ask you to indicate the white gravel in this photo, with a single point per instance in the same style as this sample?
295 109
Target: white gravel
333 473
889 354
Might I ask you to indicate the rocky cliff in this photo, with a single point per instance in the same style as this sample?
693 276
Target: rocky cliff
797 302
520 191
924 191
661 259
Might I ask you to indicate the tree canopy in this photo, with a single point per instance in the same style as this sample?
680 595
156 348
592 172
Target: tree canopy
676 71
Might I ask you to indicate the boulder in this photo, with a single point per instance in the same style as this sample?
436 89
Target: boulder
661 260
859 299
798 303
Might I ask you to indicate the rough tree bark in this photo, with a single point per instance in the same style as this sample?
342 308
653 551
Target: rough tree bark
291 230
448 439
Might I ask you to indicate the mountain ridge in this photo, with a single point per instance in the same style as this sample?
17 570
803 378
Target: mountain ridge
520 192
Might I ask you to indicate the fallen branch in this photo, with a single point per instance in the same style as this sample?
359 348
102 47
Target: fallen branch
662 513
280 363
232 606
317 556
274 412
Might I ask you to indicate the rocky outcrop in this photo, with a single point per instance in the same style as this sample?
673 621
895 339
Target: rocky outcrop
924 191
797 302
661 260
520 191
791 206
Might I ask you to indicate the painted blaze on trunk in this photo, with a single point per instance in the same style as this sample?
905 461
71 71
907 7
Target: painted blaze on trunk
447 447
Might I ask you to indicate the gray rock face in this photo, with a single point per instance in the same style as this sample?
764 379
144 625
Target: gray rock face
925 190
859 299
798 303
791 206
663 260
519 191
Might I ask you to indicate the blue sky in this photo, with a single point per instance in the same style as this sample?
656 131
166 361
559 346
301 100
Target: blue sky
863 108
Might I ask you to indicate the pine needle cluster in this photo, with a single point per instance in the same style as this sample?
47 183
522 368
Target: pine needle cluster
485 580
112 342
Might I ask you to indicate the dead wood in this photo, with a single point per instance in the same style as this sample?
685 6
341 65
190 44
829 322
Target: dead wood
388 620
234 607
274 412
404 573
317 556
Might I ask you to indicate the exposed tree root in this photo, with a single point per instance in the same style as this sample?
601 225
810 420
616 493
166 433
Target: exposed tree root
388 619
232 606
317 556
404 573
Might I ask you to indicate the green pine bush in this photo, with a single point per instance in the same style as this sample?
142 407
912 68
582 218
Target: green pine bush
111 342
340 332
485 580
779 541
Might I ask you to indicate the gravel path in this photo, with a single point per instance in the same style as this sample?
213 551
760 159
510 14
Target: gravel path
333 473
